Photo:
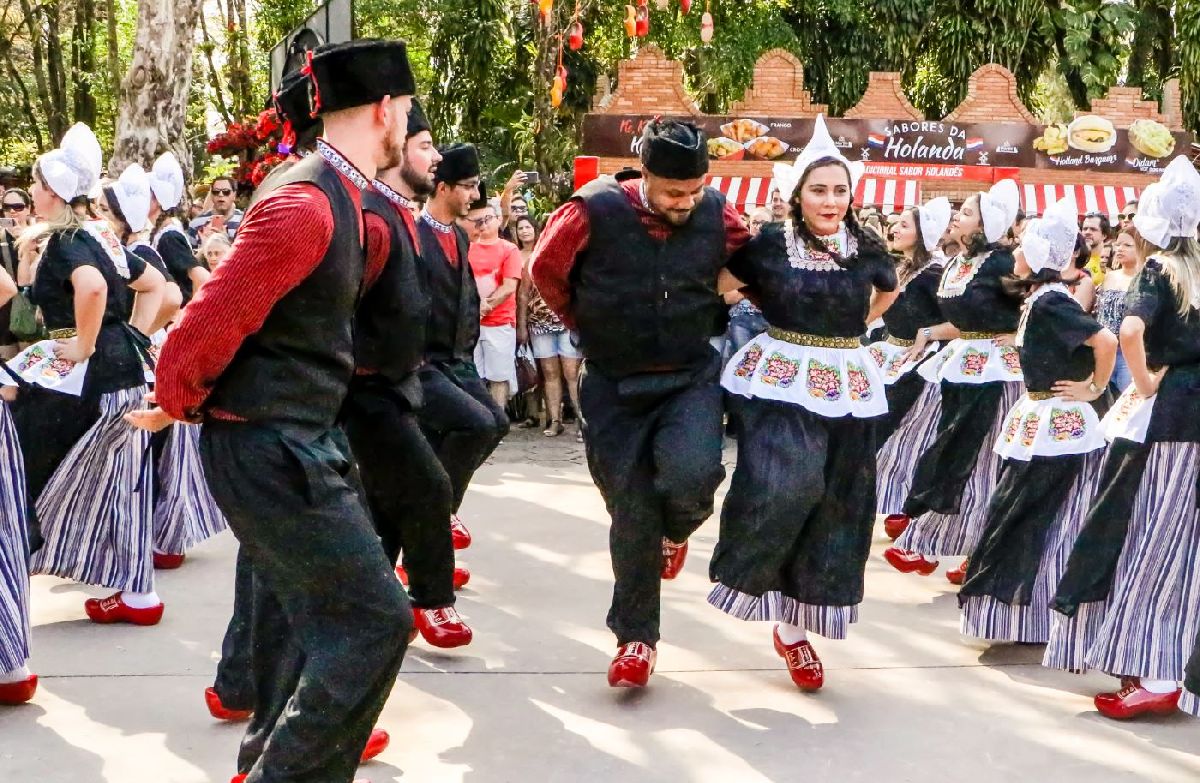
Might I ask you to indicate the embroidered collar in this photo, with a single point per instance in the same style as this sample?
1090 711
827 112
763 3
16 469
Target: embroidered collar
391 195
1027 307
645 199
102 232
335 159
436 224
960 271
802 257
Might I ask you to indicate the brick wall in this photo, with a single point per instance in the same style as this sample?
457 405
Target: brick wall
649 84
992 97
884 100
777 89
1123 105
1172 104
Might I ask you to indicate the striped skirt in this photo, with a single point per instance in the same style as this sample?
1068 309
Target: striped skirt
96 510
986 617
946 535
185 513
14 550
898 455
1154 606
832 622
1190 703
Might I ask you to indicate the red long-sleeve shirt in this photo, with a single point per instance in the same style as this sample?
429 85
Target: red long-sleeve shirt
566 236
281 241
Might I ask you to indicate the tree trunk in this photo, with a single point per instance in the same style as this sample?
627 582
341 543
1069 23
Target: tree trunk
83 61
154 93
214 78
33 22
35 127
114 52
56 71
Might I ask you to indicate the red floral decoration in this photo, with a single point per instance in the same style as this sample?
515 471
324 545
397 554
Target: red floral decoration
255 142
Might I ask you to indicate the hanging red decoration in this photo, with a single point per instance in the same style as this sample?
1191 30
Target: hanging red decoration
575 39
642 28
685 5
630 21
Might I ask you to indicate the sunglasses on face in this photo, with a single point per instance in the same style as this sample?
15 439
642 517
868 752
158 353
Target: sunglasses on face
1127 216
519 209
483 221
221 191
18 207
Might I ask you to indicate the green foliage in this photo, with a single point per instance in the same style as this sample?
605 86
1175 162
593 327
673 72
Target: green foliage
1187 29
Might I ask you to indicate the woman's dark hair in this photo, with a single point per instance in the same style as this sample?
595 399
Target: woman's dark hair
977 244
25 197
1083 253
537 232
163 216
907 269
867 241
1020 287
114 206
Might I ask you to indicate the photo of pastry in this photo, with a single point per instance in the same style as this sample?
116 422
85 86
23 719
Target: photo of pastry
1091 133
766 147
1151 138
1053 140
744 130
724 148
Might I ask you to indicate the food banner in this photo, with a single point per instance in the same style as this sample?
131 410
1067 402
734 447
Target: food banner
943 149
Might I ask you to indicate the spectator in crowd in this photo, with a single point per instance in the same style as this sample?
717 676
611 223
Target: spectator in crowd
224 214
552 342
1106 258
779 207
496 266
1126 216
1096 230
513 205
1078 277
16 207
215 249
1129 254
758 218
872 222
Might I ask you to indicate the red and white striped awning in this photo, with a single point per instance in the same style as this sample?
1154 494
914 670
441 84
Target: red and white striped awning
890 194
1105 199
745 193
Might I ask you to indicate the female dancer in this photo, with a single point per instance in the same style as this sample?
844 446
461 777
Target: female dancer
1052 446
796 525
980 376
553 343
17 683
185 513
167 234
1133 580
76 443
913 404
1129 254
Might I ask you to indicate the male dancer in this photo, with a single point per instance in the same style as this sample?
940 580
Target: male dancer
407 488
633 266
264 358
464 424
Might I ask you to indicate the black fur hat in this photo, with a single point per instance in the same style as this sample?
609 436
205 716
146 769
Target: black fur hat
357 73
417 121
674 149
291 104
459 162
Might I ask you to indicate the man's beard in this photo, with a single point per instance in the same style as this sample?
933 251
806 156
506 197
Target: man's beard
393 152
421 185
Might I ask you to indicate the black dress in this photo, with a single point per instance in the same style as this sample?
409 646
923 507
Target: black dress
1052 449
916 308
178 259
957 474
796 524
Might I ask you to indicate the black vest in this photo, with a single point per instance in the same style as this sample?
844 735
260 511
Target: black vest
640 304
453 328
297 367
389 332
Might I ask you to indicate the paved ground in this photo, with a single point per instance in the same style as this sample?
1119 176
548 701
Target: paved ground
906 699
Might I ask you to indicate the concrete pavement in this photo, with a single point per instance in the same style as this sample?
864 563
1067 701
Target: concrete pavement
906 699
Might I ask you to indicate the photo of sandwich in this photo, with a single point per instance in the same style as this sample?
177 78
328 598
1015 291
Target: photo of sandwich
1152 139
1091 133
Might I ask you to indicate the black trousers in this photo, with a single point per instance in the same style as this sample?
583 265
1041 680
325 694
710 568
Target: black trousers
462 422
330 620
654 450
408 491
801 506
234 682
901 396
968 413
